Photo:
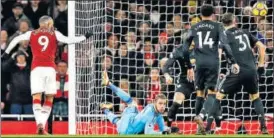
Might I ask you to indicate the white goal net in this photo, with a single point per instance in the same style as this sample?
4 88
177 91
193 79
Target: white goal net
132 39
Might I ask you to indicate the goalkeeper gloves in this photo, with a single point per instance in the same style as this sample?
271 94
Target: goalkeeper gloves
172 130
260 71
88 34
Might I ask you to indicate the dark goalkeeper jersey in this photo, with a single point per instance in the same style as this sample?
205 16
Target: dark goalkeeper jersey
208 37
241 43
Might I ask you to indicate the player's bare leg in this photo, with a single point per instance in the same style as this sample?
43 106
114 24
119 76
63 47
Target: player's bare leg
259 109
198 106
119 92
105 107
37 110
178 99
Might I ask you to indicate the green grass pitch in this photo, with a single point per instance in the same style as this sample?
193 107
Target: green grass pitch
139 136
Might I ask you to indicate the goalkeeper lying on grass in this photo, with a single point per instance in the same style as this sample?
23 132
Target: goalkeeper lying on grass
132 121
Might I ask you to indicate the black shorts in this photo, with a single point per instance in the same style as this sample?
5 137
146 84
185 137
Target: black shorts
184 86
233 83
206 78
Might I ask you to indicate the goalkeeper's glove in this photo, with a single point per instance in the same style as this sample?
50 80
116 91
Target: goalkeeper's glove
171 130
260 71
174 130
88 34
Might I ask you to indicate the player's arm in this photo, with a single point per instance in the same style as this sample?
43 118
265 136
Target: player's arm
71 40
161 124
16 40
185 48
224 46
261 51
169 63
149 127
255 42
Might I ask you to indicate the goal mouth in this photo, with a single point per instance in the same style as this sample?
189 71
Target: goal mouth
133 37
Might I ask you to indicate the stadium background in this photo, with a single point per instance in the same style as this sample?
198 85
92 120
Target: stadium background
139 35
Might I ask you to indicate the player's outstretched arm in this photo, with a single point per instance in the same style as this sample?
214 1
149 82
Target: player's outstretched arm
71 40
16 40
262 48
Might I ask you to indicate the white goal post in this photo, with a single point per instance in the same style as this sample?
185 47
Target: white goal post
141 27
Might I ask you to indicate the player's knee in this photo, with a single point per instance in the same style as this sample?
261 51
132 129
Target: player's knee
49 97
220 96
179 97
200 93
210 91
133 103
254 96
37 96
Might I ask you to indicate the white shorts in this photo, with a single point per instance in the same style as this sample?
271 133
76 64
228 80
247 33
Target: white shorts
43 79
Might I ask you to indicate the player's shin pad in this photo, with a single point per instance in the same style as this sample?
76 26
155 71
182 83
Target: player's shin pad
198 105
122 94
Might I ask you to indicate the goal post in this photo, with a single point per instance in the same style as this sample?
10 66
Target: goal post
85 16
71 70
130 39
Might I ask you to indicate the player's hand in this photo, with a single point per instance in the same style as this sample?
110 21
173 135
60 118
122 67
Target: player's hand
4 55
222 76
261 70
167 131
235 68
88 34
169 79
190 75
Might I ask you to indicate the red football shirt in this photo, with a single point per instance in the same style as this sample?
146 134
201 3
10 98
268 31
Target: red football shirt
43 44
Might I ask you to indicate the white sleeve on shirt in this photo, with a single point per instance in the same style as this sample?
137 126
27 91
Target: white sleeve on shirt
16 40
68 40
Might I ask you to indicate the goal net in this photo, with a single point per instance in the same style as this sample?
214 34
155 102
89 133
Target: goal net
131 40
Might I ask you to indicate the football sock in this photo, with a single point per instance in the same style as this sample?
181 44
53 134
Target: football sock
111 116
36 106
46 109
218 117
205 109
218 121
259 109
211 112
198 105
122 94
172 113
209 122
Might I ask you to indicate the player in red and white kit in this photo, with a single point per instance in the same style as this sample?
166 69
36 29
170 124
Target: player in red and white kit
43 42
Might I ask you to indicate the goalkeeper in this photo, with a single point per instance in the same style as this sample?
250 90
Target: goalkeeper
133 122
